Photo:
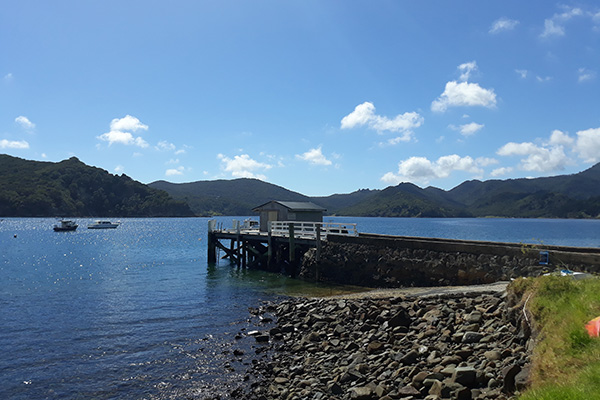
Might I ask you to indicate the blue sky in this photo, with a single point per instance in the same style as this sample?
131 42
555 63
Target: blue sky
320 97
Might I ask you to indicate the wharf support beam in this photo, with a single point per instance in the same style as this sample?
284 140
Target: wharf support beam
267 252
396 261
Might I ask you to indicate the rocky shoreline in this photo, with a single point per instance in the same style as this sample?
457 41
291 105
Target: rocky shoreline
452 346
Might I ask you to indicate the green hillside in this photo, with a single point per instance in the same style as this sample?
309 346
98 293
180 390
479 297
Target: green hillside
71 188
227 197
564 196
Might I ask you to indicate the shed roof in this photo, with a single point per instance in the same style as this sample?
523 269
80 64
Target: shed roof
294 206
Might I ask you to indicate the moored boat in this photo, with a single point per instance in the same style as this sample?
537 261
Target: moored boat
65 225
104 225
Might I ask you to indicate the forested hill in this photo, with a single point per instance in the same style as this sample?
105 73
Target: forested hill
74 189
227 197
565 196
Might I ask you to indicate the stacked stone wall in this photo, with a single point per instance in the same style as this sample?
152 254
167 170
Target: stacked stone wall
394 262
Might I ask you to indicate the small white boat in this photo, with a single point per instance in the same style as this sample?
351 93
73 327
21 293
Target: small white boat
104 225
65 225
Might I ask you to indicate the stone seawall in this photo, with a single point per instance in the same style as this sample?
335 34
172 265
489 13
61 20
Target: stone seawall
387 261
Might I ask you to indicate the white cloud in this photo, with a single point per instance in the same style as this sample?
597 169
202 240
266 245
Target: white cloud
120 132
464 94
243 166
13 144
560 138
163 145
127 123
468 129
364 114
551 28
173 161
125 138
501 171
555 26
522 73
485 161
584 74
422 170
8 77
174 171
588 145
314 157
466 70
119 169
25 123
503 24
543 79
544 158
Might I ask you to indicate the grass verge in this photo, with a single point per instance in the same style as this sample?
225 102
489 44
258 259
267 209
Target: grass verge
566 361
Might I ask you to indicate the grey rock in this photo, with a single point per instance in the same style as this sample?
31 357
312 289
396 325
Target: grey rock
361 393
471 337
466 376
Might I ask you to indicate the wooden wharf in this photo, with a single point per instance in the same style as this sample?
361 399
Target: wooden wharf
281 246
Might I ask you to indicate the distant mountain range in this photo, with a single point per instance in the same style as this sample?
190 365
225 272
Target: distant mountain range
565 196
72 188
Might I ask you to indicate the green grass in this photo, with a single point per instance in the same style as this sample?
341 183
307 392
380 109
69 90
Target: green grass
566 361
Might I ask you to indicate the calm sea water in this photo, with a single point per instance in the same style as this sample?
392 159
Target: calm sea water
137 312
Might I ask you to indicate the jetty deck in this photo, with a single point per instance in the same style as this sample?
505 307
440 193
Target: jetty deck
283 243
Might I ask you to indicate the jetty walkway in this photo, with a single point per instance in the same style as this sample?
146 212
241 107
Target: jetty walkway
283 244
337 253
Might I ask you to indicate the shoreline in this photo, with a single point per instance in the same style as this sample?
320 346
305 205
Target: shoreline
412 343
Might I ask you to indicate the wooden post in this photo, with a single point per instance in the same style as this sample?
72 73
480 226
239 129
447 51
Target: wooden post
269 250
244 254
292 254
318 255
212 248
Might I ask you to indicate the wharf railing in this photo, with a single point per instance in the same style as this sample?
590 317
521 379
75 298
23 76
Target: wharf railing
311 230
301 230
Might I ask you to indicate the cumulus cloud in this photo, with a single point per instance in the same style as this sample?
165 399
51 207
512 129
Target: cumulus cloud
422 170
13 144
588 145
121 132
560 138
468 129
243 166
127 123
503 24
464 94
119 169
541 158
314 157
501 171
364 114
25 123
174 171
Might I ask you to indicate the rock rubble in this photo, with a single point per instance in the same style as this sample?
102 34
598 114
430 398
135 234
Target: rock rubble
458 346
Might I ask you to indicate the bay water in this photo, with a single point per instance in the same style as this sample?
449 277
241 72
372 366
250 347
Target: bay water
137 312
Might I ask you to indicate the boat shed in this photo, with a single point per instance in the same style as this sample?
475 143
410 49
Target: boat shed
288 211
